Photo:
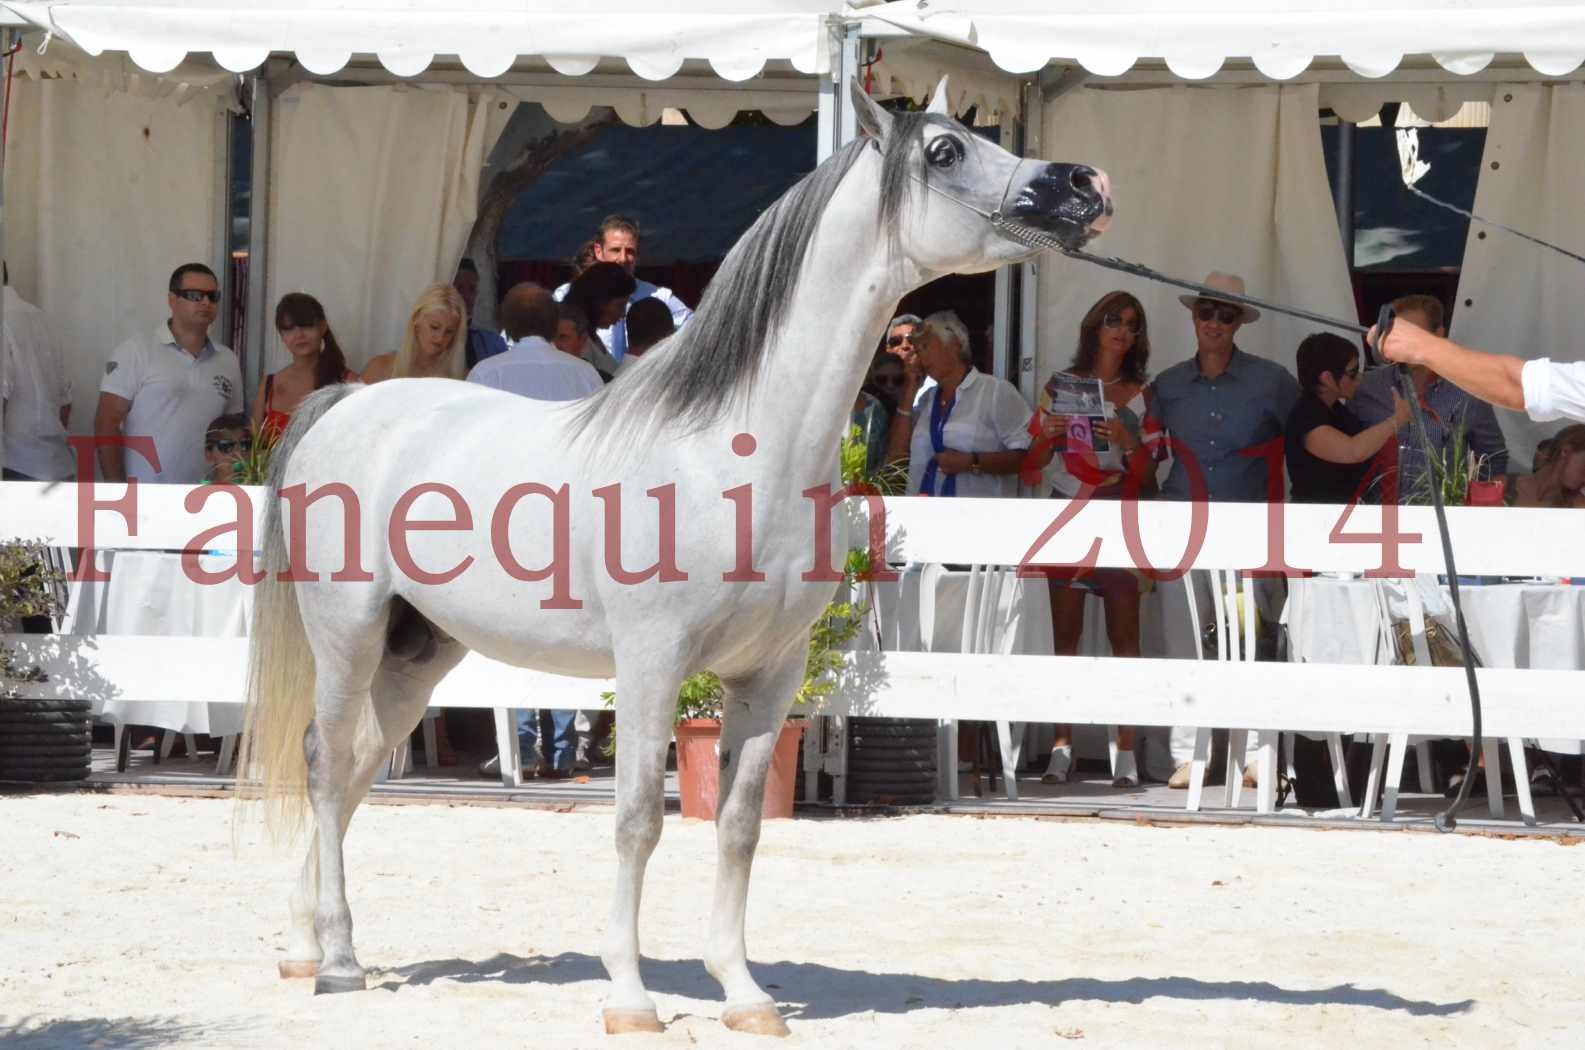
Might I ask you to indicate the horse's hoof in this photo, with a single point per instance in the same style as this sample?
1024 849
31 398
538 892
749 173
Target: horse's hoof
329 984
625 1021
755 1020
291 969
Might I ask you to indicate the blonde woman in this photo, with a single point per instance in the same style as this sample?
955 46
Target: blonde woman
437 331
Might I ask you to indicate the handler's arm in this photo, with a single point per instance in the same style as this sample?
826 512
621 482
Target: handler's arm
1496 378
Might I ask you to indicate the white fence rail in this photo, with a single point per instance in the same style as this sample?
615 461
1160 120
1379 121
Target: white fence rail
1300 697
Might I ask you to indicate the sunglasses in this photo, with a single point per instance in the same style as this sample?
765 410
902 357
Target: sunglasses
227 446
1115 320
197 295
899 340
1221 311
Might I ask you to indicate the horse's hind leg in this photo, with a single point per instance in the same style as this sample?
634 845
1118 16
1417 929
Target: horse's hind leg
752 719
343 760
646 701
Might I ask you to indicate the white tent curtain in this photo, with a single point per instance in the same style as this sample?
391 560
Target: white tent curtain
1205 179
106 193
1513 296
373 193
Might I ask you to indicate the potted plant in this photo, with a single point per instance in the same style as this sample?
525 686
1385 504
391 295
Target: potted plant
697 722
40 740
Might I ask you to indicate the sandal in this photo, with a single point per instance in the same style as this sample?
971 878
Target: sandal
1060 767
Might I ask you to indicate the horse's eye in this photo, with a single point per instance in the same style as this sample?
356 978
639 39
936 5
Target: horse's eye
943 151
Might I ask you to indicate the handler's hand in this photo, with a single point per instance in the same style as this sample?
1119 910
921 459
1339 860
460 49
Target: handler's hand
1407 343
953 462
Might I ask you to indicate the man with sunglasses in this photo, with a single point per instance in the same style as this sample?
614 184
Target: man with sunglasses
1219 407
900 335
167 384
1220 404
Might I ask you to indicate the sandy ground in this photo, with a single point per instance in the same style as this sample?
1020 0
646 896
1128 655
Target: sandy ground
128 921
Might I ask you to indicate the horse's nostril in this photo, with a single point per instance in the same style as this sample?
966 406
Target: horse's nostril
1081 178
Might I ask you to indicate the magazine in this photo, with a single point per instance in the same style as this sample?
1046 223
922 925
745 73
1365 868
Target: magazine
1083 402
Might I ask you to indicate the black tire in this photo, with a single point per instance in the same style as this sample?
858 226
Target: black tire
22 706
77 755
11 767
38 735
890 748
908 797
882 727
873 767
12 755
899 788
16 721
37 776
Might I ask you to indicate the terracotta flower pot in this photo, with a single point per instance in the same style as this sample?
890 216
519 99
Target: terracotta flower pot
699 769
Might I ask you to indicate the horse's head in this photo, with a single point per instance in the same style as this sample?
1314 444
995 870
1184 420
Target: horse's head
958 203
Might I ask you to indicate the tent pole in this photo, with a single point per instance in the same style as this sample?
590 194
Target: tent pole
1029 272
1002 310
838 123
8 38
1343 194
255 309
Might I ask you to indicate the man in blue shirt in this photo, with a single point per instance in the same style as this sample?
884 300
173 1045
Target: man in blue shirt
1445 405
481 343
1221 406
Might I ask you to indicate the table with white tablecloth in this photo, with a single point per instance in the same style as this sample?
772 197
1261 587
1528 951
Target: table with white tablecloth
1521 625
148 593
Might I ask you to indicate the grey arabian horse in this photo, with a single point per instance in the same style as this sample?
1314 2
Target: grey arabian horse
656 529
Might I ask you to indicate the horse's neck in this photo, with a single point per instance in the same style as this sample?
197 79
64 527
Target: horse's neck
822 350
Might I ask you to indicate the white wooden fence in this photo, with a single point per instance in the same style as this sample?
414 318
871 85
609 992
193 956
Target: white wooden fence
1298 697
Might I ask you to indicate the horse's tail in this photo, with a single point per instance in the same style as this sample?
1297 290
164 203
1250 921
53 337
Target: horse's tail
272 765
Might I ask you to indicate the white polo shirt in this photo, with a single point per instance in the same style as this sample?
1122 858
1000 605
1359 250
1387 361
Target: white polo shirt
174 395
1553 390
989 415
34 384
533 368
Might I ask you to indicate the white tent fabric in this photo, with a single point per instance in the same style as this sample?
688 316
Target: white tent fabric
1281 37
1205 179
736 37
106 193
375 190
1515 297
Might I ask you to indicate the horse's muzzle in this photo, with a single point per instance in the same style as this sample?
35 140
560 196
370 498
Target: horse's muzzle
1073 202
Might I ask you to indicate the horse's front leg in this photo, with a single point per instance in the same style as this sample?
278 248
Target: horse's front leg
752 719
645 706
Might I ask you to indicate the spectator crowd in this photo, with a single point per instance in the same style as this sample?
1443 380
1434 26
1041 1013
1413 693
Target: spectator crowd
1220 425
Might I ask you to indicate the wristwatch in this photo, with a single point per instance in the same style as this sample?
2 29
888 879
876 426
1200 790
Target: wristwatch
974 463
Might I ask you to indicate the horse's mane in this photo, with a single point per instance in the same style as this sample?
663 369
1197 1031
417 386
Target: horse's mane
690 380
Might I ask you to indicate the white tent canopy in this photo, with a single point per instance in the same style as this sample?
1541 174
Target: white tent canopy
488 36
1280 37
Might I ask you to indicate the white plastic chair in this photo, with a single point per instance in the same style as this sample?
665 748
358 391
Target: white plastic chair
1235 640
1394 746
983 632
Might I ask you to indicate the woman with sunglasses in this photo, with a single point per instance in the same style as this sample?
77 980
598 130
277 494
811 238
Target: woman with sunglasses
317 361
1328 449
434 344
1114 347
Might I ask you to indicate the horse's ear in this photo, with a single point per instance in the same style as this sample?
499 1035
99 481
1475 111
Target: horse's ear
938 102
873 120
